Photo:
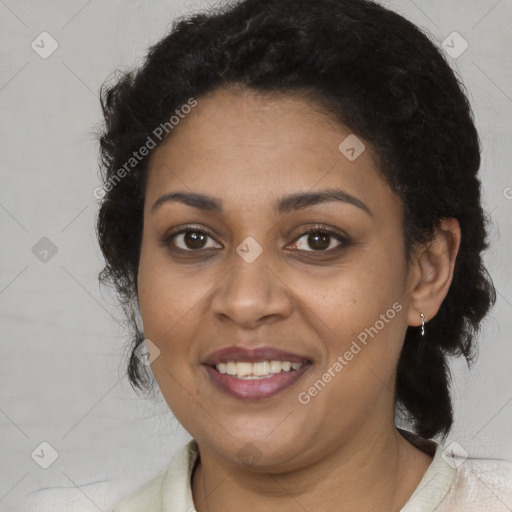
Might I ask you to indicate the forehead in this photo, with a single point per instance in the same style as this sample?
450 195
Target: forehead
252 148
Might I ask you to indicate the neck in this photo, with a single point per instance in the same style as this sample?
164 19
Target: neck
373 473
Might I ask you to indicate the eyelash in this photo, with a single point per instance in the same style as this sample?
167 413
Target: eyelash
317 228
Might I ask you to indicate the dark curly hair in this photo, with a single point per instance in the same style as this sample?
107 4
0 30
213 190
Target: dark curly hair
379 75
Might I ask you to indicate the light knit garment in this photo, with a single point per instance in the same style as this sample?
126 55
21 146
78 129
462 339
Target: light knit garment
450 484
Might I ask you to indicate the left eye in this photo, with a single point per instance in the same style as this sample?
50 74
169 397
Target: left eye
320 240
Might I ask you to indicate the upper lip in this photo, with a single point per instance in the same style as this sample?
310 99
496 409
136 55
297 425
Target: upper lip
235 353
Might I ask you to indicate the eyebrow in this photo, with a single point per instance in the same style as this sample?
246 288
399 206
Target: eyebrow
284 204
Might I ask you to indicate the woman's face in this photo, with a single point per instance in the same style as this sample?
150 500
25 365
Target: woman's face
258 280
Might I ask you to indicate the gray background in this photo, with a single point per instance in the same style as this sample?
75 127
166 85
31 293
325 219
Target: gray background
63 354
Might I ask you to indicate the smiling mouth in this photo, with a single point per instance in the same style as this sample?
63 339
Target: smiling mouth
257 370
256 380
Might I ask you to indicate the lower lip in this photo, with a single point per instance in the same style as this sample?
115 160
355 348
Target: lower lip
255 389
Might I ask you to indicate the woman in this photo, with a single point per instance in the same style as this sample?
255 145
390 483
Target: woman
292 206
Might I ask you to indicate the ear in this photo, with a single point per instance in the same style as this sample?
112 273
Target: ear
432 271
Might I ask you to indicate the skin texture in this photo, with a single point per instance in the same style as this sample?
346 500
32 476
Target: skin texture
340 450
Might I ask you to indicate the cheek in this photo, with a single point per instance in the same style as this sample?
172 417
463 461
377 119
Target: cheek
376 318
169 305
359 313
350 297
168 295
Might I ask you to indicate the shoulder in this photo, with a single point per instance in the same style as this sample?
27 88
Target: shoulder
172 487
480 485
455 482
149 496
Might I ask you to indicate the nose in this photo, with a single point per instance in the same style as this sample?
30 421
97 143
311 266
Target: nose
251 294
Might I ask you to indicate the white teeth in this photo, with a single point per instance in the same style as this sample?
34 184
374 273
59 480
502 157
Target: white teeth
231 368
275 366
259 369
243 369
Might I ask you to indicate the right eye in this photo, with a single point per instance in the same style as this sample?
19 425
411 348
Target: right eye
191 239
